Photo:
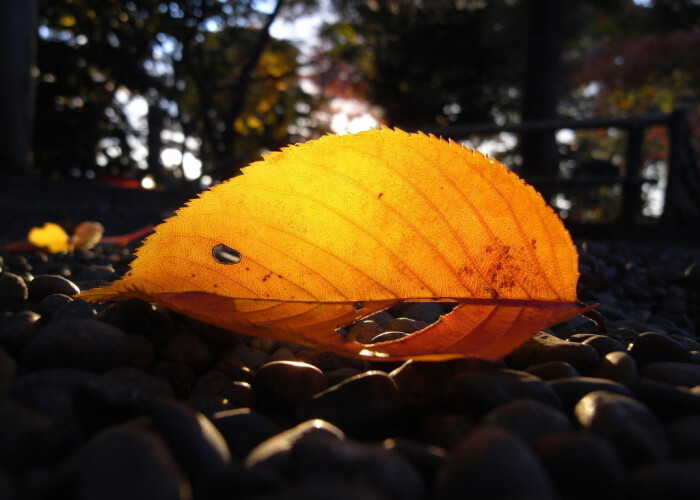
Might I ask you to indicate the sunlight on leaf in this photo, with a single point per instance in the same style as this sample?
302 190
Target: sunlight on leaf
50 236
288 250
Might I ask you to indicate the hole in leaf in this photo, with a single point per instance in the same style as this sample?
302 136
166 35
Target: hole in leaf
358 305
226 255
396 322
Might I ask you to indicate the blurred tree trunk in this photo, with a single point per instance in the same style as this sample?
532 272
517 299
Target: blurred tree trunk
18 32
545 34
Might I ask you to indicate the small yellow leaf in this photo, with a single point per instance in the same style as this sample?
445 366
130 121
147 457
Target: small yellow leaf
50 236
320 235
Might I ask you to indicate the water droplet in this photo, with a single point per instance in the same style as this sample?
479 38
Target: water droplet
225 255
358 305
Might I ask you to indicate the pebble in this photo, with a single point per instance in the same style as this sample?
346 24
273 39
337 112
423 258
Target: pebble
492 463
479 392
51 303
552 370
234 370
215 384
129 462
424 312
405 325
129 388
142 352
649 347
13 292
246 356
528 419
571 390
47 284
675 373
545 347
195 442
362 406
26 437
604 344
16 329
387 336
244 429
629 425
76 343
425 381
137 316
280 386
426 459
177 374
77 309
190 350
582 465
676 480
617 366
364 331
668 401
8 369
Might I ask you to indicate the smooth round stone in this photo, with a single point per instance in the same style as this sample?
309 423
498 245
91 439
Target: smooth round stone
387 336
48 284
195 442
246 356
142 352
667 480
128 387
51 303
13 292
327 361
684 374
26 437
421 381
96 272
629 425
338 375
492 463
177 374
425 312
189 349
545 347
285 441
363 406
426 459
552 370
8 369
405 325
281 385
441 428
17 328
382 318
243 429
528 419
479 392
77 343
649 347
668 401
364 331
137 316
67 379
582 465
684 437
267 345
282 354
129 462
235 371
571 390
617 366
77 309
604 344
215 384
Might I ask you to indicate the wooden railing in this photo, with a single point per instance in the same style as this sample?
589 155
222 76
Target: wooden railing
680 220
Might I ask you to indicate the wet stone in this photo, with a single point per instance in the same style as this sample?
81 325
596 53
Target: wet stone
629 425
649 347
195 442
363 406
77 343
282 385
528 419
479 392
16 329
481 462
684 374
552 370
243 429
13 292
189 349
582 465
48 284
129 462
545 347
617 366
571 390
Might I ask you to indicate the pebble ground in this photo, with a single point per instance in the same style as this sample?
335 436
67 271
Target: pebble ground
130 400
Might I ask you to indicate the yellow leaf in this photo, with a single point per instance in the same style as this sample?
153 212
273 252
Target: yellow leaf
317 236
50 236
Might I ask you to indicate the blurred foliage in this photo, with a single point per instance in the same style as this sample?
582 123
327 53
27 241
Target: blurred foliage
205 68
